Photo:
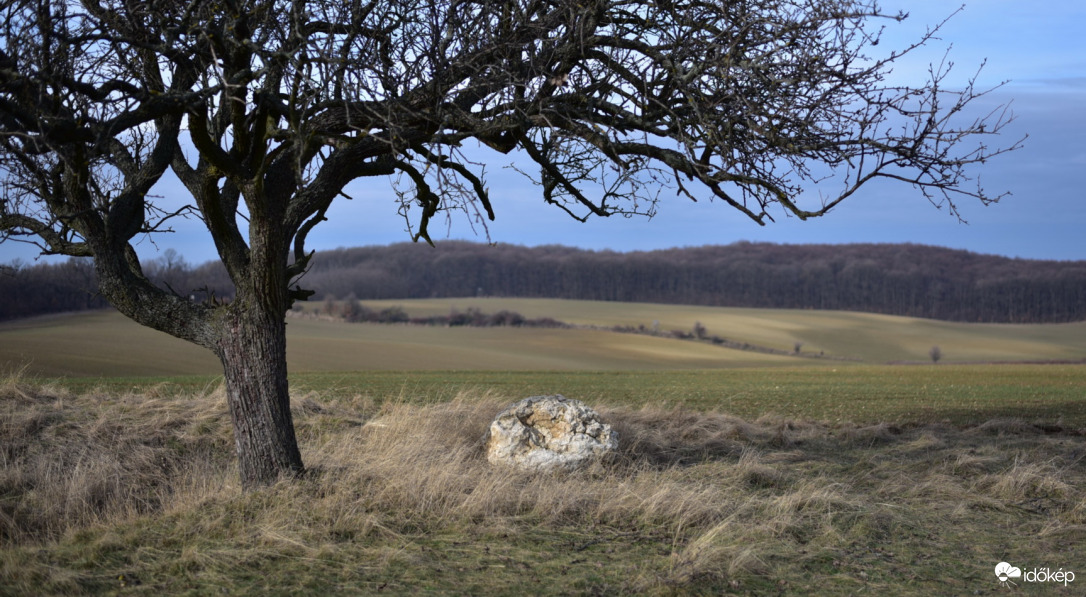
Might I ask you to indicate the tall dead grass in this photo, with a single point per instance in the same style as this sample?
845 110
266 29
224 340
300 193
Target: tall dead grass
728 498
69 461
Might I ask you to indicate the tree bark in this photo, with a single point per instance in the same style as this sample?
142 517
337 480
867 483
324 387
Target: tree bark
253 351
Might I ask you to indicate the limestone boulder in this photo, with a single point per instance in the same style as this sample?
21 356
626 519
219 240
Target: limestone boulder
548 432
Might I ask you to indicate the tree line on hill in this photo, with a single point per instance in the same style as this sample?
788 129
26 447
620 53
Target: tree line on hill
27 290
898 279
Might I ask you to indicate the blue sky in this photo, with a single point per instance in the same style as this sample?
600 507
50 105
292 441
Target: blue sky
1040 50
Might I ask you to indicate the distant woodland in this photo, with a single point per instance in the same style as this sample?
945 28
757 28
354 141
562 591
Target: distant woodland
912 280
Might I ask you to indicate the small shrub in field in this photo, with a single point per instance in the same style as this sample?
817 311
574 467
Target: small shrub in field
393 315
329 306
353 311
506 318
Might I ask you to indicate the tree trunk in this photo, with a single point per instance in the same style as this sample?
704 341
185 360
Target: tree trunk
253 350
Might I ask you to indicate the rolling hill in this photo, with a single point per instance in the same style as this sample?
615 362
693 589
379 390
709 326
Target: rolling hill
104 343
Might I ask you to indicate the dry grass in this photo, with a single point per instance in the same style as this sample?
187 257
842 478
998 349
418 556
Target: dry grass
103 493
67 461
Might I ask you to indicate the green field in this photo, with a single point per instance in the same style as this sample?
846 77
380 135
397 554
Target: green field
861 394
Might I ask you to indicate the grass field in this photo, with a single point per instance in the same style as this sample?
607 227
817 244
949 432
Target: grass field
892 480
863 394
106 344
865 336
738 472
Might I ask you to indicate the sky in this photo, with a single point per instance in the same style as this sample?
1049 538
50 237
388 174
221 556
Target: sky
1039 51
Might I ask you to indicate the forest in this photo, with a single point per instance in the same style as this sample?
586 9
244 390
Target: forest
897 279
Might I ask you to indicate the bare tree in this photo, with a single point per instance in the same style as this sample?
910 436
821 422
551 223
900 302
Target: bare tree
266 109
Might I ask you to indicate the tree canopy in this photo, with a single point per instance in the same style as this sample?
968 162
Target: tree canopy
266 110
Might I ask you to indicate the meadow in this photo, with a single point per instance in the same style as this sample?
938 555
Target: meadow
754 474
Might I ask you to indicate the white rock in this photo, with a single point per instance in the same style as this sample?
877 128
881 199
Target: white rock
547 432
